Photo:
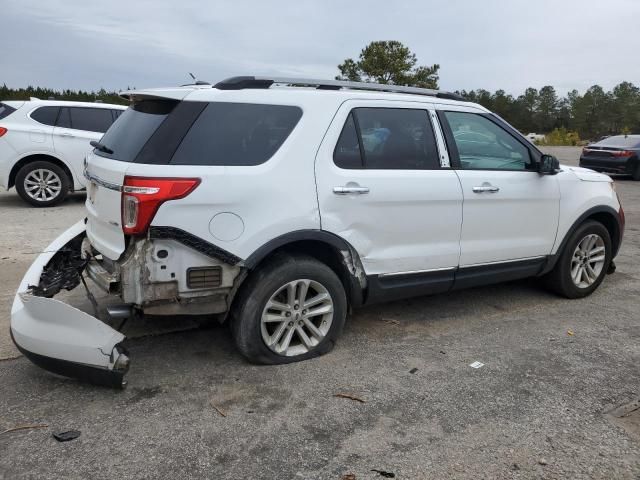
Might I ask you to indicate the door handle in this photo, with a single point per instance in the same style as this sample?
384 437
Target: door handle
67 135
350 190
486 189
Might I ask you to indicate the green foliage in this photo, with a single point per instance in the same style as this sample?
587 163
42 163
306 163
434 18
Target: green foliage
7 93
594 114
389 62
560 137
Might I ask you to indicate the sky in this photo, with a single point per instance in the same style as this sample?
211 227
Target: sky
490 44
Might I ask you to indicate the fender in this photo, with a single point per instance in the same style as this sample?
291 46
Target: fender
348 257
616 238
16 165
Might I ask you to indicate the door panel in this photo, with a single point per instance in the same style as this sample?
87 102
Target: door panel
510 211
398 220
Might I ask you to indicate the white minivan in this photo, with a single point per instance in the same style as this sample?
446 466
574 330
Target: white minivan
43 144
281 204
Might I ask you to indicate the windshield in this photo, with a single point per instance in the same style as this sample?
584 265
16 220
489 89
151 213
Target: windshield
129 133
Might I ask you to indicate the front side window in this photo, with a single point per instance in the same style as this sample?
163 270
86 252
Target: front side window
387 138
91 119
236 134
483 145
46 115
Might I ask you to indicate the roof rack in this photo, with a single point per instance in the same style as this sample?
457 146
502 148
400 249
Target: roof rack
241 83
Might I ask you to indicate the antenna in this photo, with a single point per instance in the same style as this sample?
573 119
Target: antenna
192 76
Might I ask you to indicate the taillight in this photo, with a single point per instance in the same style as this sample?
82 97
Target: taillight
142 196
585 150
622 153
3 131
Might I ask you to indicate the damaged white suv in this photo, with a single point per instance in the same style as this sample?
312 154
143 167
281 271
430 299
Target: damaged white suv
281 204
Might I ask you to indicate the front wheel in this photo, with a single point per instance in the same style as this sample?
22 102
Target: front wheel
292 309
42 184
583 263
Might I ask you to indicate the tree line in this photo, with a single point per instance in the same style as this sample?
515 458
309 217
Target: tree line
102 95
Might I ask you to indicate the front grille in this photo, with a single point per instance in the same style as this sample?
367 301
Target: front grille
204 277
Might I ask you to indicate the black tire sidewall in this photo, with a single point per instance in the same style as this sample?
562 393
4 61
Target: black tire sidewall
24 171
258 289
563 277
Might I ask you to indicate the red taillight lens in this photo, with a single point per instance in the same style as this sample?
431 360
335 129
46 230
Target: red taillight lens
142 196
622 153
3 131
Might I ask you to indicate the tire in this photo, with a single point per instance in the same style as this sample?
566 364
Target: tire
636 172
49 174
560 279
269 283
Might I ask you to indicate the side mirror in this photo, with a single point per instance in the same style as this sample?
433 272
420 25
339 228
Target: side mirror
549 165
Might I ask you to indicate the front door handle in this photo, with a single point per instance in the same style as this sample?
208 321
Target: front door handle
350 190
67 135
486 188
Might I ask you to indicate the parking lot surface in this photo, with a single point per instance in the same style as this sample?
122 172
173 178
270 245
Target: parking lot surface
554 398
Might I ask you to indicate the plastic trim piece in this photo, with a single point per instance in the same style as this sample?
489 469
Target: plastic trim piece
194 242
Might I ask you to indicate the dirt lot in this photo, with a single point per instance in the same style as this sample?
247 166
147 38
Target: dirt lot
539 408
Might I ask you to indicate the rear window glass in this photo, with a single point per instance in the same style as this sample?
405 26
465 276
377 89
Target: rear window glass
5 110
46 115
134 127
236 134
629 141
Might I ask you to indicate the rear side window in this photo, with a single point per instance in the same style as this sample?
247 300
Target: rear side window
46 115
134 127
236 134
5 110
91 119
387 138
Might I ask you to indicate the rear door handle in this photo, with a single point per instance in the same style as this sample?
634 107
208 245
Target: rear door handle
486 189
67 135
350 190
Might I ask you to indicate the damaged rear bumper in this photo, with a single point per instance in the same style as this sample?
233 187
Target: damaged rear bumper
62 338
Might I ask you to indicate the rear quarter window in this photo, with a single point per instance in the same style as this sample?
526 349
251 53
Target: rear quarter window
45 115
5 110
91 119
236 134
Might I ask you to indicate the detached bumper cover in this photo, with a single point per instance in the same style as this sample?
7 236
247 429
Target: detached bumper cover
61 338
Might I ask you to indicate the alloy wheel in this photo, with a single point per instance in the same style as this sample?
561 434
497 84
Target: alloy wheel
588 260
297 317
42 185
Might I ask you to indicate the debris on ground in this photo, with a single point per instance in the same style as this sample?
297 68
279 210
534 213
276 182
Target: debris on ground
66 436
25 427
443 352
384 474
476 364
219 410
391 321
542 461
350 397
570 333
348 476
413 370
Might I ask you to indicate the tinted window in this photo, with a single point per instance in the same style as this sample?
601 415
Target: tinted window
5 110
46 115
116 113
483 145
64 119
134 127
392 138
236 134
347 152
91 119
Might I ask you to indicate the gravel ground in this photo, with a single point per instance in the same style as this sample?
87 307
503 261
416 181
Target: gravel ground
542 406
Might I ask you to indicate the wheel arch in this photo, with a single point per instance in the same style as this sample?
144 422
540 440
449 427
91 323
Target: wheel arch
607 216
330 249
40 157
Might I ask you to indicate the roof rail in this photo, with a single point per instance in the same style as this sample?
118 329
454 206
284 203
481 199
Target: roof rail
241 83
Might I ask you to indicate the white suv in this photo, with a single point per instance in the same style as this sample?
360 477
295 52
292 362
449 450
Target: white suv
43 144
280 204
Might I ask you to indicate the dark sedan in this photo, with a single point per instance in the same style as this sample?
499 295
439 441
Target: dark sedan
617 154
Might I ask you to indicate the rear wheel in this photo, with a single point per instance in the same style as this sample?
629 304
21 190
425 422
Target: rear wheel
291 309
636 172
42 183
583 263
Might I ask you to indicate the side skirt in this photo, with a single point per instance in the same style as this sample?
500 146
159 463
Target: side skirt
396 286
